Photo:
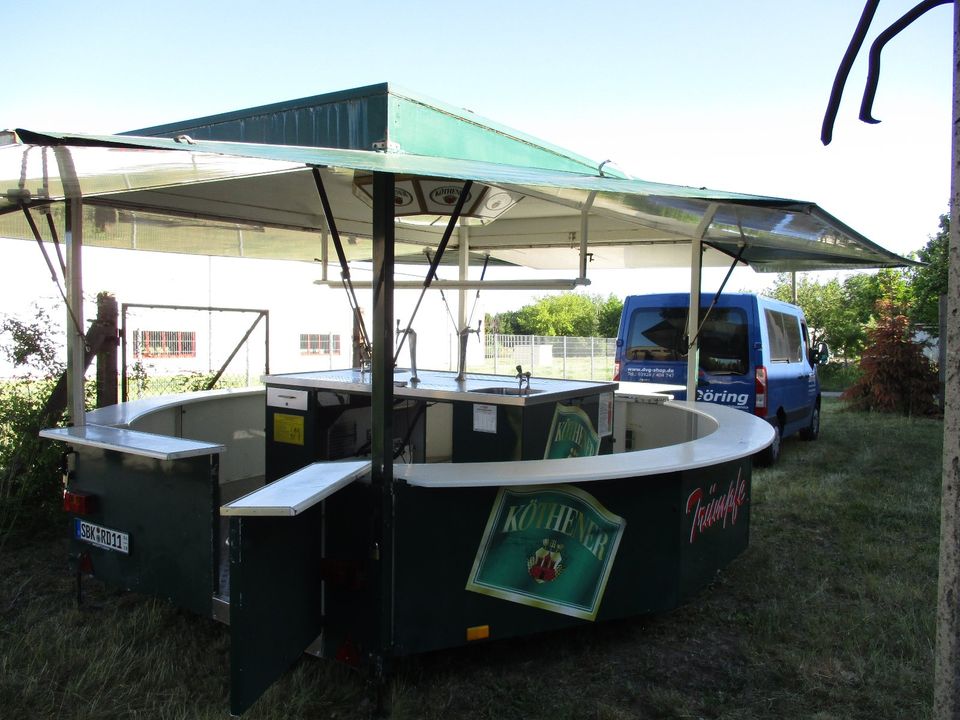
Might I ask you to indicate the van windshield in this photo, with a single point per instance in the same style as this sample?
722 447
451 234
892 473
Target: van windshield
657 334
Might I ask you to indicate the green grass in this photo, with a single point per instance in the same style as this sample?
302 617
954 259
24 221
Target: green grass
838 376
829 614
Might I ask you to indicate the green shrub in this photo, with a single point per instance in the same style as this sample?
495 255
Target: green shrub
838 376
30 480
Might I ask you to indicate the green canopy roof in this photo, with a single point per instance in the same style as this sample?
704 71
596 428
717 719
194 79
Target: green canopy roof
260 200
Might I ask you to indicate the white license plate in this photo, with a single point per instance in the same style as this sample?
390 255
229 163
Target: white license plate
101 537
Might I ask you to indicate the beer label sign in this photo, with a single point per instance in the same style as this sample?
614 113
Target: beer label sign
571 434
548 547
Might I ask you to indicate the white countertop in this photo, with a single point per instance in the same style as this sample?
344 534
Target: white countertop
131 442
737 434
122 414
647 390
301 489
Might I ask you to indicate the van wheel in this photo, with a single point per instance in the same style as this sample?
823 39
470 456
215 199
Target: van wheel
812 431
770 454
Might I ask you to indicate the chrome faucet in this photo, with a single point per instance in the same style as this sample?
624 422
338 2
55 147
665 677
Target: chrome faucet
411 335
523 378
412 338
465 334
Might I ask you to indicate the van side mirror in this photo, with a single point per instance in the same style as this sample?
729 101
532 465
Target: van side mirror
819 354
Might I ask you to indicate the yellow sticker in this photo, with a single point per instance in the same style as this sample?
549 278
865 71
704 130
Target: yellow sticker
288 428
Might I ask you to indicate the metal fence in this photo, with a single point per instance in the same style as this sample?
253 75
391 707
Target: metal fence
176 348
582 358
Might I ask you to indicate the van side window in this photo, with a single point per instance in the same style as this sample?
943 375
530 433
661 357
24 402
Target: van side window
783 330
658 334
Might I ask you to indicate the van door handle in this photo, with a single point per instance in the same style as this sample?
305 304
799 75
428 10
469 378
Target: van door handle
803 377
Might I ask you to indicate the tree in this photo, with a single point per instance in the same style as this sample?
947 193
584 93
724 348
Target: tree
827 307
895 374
929 281
610 311
570 314
839 313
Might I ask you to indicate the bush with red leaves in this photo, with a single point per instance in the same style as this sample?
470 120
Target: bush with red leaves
896 376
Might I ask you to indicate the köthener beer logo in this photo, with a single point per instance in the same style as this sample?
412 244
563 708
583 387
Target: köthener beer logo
548 547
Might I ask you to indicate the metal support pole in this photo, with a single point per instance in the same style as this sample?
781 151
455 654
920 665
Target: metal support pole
946 688
76 343
382 411
693 316
584 233
464 267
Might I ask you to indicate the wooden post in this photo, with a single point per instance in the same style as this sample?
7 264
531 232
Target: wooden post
946 701
107 330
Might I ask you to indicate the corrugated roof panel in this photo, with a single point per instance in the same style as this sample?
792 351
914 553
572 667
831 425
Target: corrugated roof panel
382 116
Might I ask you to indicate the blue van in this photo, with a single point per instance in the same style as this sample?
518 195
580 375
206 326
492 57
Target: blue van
755 355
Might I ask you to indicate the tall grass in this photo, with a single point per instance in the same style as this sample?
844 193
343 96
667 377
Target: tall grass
829 614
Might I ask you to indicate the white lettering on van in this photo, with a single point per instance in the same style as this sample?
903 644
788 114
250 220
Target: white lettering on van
723 397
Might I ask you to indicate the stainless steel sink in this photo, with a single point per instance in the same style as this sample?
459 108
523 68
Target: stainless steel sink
506 390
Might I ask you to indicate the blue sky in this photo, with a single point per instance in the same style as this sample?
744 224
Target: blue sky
725 95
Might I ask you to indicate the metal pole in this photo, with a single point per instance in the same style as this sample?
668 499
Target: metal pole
564 357
382 412
946 693
693 318
76 343
464 274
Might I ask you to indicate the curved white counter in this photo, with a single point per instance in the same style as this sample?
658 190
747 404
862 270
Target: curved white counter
726 434
723 434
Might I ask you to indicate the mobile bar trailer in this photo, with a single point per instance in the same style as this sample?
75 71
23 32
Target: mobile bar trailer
521 505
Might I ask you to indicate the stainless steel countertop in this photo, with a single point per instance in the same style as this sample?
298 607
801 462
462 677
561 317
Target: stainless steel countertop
132 442
444 386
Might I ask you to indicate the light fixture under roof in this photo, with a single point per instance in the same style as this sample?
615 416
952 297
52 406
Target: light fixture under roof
430 200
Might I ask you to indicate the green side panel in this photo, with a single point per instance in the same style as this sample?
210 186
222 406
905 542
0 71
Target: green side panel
439 532
350 572
716 521
521 432
275 599
170 510
293 450
471 445
426 127
352 119
359 117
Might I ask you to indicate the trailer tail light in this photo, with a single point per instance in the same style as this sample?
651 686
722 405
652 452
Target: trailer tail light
79 503
760 406
479 632
348 653
616 370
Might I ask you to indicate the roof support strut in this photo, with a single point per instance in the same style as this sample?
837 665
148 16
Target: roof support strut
365 347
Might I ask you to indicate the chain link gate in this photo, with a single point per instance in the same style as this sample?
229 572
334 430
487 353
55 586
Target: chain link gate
177 348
